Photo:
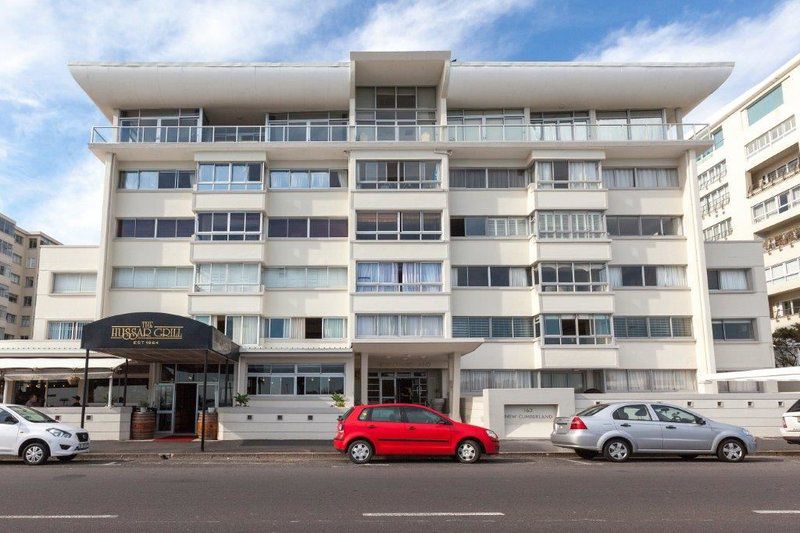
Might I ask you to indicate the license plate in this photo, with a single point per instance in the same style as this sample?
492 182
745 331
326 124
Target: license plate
83 446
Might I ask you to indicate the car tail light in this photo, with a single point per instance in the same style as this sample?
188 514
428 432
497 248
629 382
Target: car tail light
577 423
340 427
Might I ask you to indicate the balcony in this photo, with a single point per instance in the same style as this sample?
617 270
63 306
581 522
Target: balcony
511 133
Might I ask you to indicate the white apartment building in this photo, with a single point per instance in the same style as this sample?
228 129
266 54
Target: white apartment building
749 182
402 227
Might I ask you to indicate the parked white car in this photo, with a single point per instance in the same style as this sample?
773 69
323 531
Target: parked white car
790 430
34 436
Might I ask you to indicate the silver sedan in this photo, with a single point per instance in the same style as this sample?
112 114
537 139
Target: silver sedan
619 430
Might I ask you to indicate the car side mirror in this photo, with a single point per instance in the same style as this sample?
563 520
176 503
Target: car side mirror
702 422
339 418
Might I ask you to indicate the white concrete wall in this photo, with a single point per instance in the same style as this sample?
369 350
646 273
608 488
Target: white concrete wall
102 423
243 423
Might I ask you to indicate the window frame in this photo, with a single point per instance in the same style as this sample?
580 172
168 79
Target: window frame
227 233
229 184
398 234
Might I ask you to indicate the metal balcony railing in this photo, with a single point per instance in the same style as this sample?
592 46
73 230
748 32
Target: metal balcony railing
467 133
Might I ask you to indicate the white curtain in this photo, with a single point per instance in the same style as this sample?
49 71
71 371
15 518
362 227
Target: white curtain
544 173
431 326
647 178
518 276
144 278
183 277
65 283
637 380
510 379
366 326
366 274
122 278
616 381
249 330
618 178
615 276
411 277
388 277
733 280
333 328
295 277
316 277
387 325
474 380
275 277
297 328
671 276
337 277
431 274
740 386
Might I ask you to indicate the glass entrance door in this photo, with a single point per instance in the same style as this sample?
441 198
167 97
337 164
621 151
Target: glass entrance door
398 387
165 393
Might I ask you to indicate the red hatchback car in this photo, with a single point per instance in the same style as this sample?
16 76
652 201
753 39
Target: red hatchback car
409 429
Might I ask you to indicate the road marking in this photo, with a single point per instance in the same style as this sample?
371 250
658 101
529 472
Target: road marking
777 511
432 514
55 516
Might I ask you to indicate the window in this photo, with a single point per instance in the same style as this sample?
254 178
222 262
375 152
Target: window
65 330
632 412
29 281
64 283
228 277
384 414
398 277
640 178
764 105
395 113
305 228
643 226
242 329
18 239
31 263
488 227
713 175
783 272
656 327
5 248
728 279
159 125
238 226
650 380
631 125
155 228
398 175
488 178
307 179
14 278
715 200
33 243
305 277
771 136
786 308
576 329
151 278
307 126
567 175
7 226
647 276
27 301
402 225
417 415
301 379
11 318
495 327
304 328
667 413
560 126
486 125
733 329
570 225
474 381
399 326
491 276
16 258
720 231
766 178
571 277
780 203
156 179
230 177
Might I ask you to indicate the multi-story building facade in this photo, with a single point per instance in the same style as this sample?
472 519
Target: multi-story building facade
401 227
749 181
19 268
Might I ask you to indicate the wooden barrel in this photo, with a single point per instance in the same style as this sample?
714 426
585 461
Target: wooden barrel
143 425
212 425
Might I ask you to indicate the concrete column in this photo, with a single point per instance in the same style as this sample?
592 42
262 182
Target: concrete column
350 381
364 378
455 386
241 374
9 387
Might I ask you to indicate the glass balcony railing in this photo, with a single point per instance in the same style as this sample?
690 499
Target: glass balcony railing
467 133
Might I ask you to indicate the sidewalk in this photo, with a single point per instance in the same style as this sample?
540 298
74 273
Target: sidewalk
241 448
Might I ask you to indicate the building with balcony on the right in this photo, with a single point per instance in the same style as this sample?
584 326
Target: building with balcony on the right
749 182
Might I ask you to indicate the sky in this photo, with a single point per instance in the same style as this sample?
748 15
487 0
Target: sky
49 180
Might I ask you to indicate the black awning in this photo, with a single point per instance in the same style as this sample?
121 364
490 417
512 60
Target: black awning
158 338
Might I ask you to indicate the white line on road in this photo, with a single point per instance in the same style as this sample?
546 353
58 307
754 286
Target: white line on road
777 511
55 516
431 514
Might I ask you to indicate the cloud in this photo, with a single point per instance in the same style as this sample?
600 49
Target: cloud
758 45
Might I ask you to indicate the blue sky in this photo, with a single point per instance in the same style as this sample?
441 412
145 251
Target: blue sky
50 181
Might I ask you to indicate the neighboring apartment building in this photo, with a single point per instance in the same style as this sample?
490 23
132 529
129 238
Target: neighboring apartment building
402 227
19 270
749 182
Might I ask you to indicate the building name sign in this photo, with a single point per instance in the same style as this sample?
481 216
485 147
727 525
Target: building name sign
147 333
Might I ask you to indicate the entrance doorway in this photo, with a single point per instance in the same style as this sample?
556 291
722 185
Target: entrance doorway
185 407
398 387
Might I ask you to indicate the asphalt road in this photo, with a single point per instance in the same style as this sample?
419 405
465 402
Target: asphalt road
542 493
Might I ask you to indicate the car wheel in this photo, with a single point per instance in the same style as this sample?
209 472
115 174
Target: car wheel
731 451
586 454
359 451
35 453
468 451
688 457
617 450
67 458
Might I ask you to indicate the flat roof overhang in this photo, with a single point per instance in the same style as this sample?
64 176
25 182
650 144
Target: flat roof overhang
158 338
791 373
416 347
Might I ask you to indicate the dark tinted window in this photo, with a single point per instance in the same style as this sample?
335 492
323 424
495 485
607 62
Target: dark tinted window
7 418
415 415
795 408
385 414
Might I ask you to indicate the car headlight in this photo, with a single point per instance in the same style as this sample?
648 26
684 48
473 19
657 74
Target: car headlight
58 433
492 434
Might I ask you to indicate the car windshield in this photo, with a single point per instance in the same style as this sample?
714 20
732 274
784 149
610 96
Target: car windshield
593 410
795 408
31 415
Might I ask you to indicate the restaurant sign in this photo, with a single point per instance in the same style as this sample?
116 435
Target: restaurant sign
147 333
148 330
